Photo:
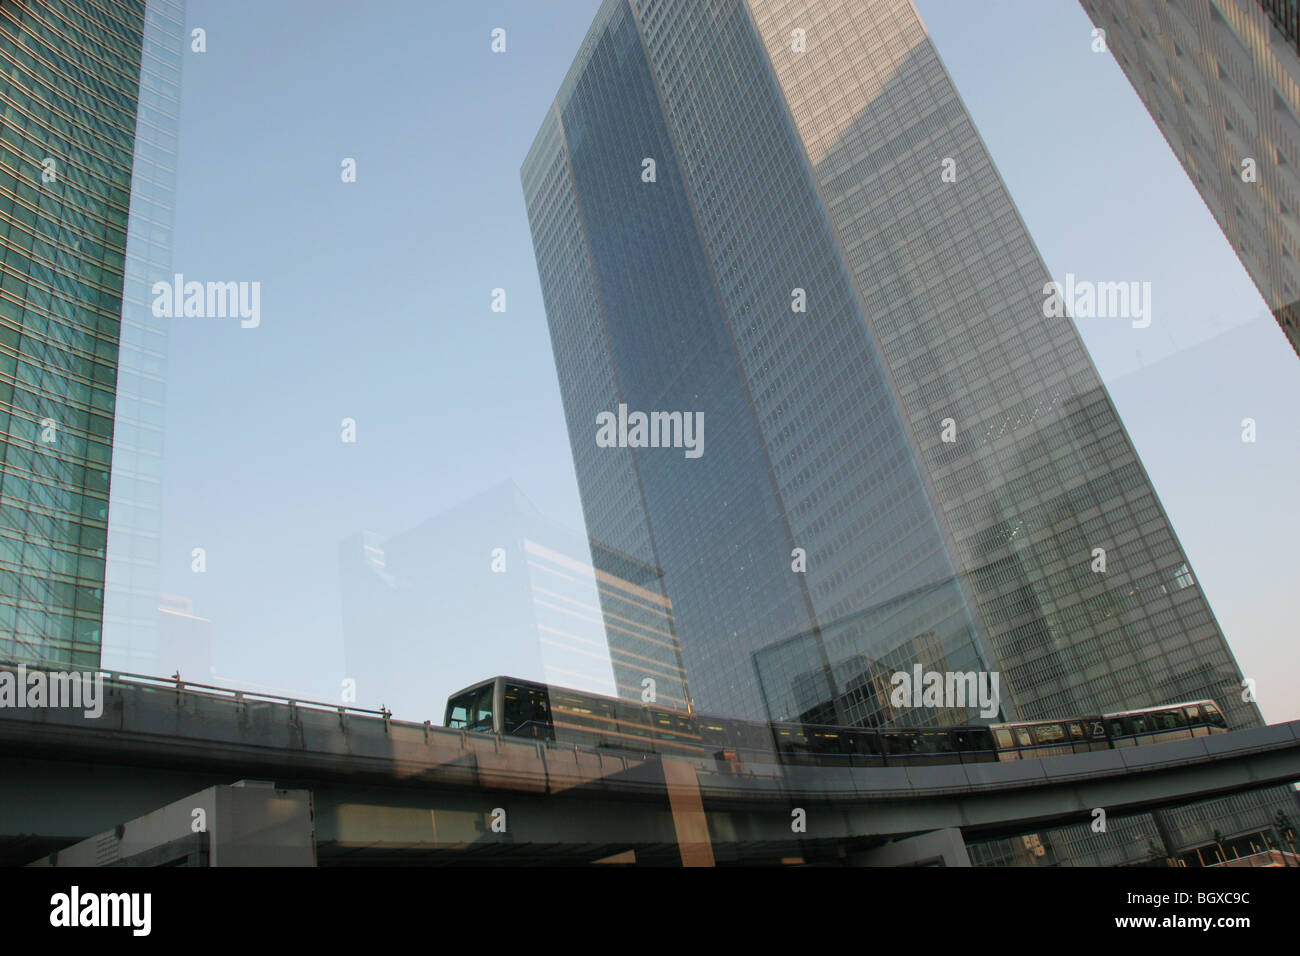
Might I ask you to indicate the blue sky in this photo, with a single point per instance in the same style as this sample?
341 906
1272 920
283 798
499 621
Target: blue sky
375 304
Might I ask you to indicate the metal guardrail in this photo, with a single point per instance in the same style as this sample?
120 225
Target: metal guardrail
124 678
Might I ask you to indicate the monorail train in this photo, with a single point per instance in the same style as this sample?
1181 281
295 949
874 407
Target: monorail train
519 708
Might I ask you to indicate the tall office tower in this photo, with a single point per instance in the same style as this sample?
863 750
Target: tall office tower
1221 78
776 215
71 81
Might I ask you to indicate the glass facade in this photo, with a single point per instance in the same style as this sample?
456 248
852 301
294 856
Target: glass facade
866 341
132 608
1041 471
803 450
67 139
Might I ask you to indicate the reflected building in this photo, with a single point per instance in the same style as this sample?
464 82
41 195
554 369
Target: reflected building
862 691
1221 78
492 587
84 85
740 212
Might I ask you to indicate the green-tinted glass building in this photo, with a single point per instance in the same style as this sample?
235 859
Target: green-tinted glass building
68 128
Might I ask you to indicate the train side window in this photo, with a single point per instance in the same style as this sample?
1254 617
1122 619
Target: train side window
582 712
824 742
633 719
602 714
1049 733
868 742
1117 728
853 742
1138 724
714 734
965 740
749 736
1170 720
1194 715
1003 736
525 712
1022 737
792 741
928 742
539 709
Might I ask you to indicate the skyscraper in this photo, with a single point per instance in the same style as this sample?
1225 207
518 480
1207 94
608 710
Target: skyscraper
71 86
776 218
1221 79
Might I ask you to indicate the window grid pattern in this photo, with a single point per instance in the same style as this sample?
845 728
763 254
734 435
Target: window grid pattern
71 79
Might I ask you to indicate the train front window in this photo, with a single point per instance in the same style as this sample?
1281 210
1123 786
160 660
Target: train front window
480 718
512 708
1214 717
460 709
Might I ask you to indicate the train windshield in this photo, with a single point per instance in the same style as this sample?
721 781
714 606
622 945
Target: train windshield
471 710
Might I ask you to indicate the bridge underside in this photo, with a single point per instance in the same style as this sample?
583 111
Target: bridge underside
47 805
